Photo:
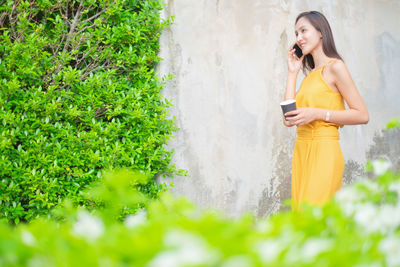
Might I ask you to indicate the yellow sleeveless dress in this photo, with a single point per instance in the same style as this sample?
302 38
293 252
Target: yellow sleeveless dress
318 164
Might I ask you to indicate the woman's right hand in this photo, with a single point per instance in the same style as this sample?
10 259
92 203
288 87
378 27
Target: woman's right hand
287 123
294 63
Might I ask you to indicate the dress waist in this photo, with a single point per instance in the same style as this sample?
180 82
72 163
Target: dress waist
309 133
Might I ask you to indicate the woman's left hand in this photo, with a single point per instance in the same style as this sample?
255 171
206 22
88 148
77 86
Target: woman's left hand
301 116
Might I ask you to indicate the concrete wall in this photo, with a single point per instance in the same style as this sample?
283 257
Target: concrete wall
229 59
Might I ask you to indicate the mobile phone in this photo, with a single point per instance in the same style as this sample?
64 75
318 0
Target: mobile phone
298 51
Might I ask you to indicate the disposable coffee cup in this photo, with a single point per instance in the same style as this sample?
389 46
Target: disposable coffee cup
288 105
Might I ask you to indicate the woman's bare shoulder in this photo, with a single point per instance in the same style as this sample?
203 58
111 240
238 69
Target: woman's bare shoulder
338 67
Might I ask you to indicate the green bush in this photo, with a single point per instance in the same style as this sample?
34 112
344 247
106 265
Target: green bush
359 227
78 96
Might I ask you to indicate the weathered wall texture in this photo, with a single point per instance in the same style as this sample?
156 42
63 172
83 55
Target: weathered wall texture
229 59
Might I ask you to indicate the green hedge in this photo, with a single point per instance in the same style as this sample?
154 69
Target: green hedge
78 96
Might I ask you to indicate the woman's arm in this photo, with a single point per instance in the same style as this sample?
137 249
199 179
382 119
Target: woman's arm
290 92
357 112
294 65
291 85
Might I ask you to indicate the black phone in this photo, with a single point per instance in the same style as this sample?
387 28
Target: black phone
298 51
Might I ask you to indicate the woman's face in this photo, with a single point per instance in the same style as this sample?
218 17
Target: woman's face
307 37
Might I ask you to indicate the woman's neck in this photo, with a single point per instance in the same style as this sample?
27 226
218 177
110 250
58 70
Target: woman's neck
319 57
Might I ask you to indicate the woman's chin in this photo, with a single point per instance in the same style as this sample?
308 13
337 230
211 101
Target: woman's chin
306 52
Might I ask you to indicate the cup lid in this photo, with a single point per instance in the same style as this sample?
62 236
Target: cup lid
287 102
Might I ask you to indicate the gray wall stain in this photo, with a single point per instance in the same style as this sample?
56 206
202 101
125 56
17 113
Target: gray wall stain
352 171
387 56
386 146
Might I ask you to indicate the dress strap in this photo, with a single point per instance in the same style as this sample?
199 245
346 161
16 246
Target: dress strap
330 60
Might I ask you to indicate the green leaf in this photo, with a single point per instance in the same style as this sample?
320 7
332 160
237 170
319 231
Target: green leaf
394 123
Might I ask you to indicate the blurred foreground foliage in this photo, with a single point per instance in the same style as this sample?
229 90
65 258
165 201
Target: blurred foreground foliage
78 96
360 226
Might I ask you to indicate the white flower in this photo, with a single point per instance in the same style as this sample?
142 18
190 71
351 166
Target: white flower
263 226
166 259
384 219
365 216
388 218
380 166
307 251
27 238
371 264
135 220
317 212
178 237
184 249
390 247
88 226
238 261
395 186
348 194
269 250
38 261
348 197
314 246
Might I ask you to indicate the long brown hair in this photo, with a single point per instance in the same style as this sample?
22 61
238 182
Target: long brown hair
320 23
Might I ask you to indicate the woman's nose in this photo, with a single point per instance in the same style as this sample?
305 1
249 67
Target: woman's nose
299 38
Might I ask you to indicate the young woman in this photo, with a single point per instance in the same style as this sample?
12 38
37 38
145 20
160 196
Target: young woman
318 164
